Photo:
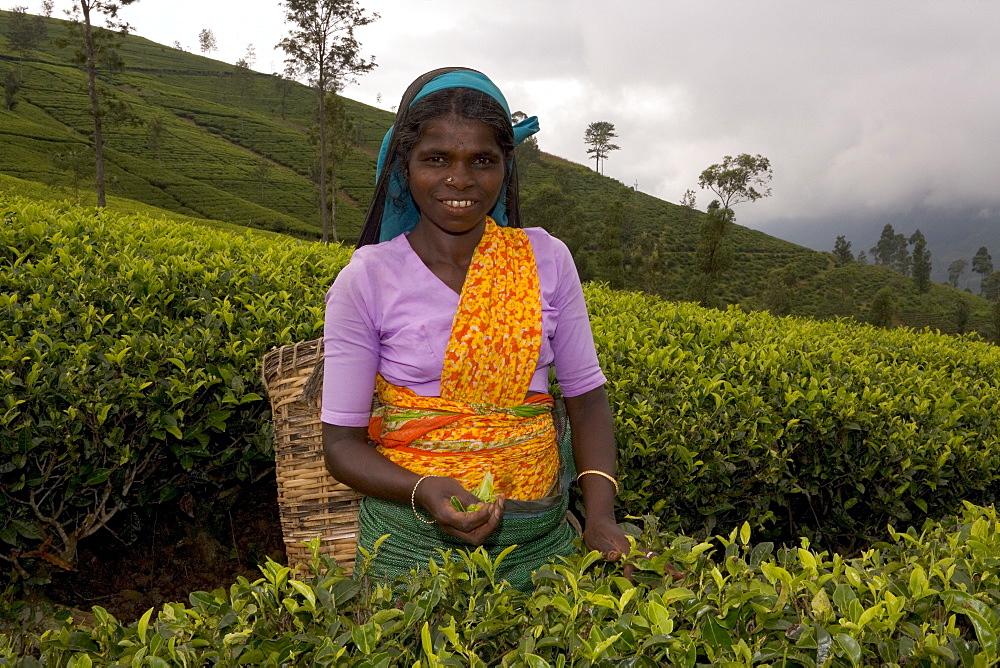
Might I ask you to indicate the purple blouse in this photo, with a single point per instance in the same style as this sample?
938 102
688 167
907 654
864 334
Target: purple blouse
388 313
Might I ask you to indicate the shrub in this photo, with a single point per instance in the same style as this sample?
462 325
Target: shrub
834 429
129 363
924 598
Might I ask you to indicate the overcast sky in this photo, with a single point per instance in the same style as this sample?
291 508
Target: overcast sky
866 108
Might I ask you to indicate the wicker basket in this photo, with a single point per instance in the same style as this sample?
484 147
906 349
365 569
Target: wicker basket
311 502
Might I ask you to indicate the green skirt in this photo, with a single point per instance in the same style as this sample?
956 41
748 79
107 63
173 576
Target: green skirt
538 528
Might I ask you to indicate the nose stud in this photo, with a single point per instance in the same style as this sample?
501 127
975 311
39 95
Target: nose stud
449 179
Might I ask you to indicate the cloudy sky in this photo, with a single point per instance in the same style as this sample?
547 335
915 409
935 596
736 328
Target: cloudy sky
866 108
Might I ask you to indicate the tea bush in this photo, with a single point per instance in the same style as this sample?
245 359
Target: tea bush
129 364
924 598
130 354
831 428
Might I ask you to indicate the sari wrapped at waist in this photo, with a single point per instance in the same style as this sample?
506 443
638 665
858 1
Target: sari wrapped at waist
435 436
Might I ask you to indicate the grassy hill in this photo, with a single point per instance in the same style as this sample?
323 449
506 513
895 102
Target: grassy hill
236 146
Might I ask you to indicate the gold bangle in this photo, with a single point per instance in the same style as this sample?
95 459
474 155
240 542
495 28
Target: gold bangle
413 499
603 475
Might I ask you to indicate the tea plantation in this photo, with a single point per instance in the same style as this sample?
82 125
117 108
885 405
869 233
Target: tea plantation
764 457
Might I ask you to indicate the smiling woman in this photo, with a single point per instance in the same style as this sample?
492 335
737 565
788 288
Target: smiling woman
455 172
452 315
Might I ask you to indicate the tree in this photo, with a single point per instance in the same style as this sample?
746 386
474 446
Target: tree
885 249
712 256
921 262
243 82
24 32
688 200
955 271
776 295
47 7
11 87
261 172
744 178
862 258
321 44
842 251
883 307
206 38
991 286
249 58
736 180
901 260
598 136
339 126
95 48
982 264
283 82
73 159
963 311
154 136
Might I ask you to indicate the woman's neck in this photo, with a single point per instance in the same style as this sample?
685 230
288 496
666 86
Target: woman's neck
448 256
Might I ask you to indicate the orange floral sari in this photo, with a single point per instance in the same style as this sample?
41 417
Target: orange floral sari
482 422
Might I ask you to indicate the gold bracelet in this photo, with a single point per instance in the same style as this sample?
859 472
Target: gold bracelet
603 475
413 499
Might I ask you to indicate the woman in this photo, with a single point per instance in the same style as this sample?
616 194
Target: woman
453 315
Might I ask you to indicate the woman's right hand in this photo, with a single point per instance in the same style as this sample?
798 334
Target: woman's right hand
434 495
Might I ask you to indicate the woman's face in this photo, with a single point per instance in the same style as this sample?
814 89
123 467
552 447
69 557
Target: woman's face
455 172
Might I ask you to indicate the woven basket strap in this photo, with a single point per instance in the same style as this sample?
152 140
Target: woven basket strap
314 383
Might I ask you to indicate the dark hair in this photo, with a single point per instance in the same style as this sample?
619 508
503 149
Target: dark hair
411 119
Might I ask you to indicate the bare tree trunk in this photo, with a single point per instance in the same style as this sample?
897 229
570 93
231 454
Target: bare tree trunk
333 197
324 219
95 105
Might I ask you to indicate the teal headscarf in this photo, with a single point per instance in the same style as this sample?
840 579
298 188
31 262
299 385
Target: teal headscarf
392 210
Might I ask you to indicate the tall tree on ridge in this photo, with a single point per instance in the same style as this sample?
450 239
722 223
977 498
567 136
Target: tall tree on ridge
598 136
921 262
321 44
206 38
842 251
982 264
24 32
95 49
955 271
883 251
736 180
744 178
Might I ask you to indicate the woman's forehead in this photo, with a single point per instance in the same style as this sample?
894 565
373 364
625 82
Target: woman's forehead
452 130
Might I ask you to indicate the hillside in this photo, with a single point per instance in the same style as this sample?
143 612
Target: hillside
236 146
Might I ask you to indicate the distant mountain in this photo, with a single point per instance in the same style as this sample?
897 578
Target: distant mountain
219 142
